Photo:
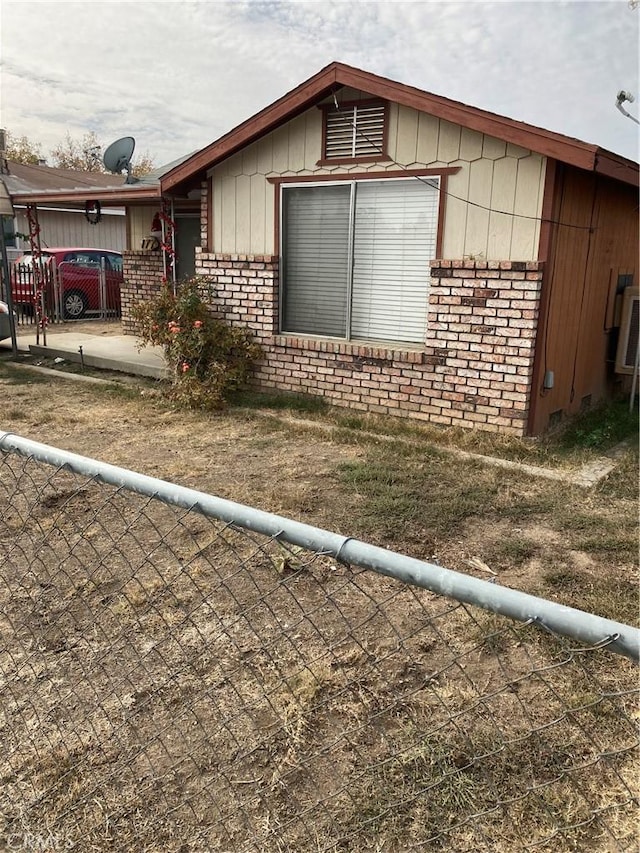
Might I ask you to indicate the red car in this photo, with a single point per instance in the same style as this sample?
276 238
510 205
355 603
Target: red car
73 279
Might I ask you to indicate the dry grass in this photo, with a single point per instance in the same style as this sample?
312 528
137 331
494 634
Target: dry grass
172 687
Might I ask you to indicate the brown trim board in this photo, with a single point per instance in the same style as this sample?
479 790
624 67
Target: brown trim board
115 197
404 173
358 176
551 208
546 225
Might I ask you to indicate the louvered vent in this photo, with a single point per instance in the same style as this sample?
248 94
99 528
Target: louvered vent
355 131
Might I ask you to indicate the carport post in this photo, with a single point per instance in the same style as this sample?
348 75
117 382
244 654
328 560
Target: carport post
8 295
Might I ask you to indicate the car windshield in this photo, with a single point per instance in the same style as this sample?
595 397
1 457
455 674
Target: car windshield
79 257
83 259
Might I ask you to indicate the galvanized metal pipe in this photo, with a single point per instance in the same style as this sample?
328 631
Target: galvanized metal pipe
585 628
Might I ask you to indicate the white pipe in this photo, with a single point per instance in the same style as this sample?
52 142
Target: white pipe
585 628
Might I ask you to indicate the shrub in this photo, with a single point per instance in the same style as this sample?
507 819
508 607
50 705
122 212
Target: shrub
208 359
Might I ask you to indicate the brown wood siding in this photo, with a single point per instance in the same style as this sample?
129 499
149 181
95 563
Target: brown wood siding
593 241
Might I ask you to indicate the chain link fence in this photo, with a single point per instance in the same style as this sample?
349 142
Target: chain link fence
178 682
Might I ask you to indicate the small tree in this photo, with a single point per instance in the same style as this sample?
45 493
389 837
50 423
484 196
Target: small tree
208 359
86 155
20 149
142 164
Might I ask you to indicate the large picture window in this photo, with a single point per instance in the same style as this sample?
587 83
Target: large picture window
356 258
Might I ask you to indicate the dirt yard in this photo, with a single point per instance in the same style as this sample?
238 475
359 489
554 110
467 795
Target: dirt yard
415 499
231 695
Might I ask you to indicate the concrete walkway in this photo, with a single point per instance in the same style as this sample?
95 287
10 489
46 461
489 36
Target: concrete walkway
104 348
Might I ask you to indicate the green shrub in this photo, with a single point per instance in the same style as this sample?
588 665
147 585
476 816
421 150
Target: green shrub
602 427
207 358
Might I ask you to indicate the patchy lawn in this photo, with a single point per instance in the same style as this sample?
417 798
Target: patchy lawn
410 496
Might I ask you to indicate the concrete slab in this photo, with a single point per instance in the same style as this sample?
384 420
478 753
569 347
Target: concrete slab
105 351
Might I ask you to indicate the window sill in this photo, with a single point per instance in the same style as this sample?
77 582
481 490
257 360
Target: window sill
387 350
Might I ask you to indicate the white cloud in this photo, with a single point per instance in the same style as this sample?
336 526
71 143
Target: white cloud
178 75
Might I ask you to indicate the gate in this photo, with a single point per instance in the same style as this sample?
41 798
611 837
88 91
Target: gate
88 291
33 305
70 291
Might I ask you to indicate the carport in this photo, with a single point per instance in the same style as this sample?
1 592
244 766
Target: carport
152 255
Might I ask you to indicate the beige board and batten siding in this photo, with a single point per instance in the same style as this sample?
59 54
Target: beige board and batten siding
495 181
139 224
70 228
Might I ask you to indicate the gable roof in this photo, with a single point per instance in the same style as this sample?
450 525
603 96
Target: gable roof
333 76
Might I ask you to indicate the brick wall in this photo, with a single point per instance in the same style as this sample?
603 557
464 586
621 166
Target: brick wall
143 273
482 321
246 288
474 371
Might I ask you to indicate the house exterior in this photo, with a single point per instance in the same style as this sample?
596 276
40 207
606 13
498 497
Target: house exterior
401 253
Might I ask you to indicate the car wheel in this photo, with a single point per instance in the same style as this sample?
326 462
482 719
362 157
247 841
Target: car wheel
75 304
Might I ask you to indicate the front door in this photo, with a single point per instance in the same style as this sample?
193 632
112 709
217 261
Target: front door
187 237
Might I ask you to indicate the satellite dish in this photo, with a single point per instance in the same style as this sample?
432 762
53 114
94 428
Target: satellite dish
118 157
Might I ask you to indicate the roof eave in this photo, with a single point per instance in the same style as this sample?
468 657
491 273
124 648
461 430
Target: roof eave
536 139
115 196
617 167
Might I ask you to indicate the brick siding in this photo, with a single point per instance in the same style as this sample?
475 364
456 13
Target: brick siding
143 273
246 288
474 371
482 326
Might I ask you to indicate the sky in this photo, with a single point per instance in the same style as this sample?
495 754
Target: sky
176 76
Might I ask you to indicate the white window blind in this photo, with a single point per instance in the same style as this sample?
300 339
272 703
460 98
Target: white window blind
356 131
316 259
394 242
356 258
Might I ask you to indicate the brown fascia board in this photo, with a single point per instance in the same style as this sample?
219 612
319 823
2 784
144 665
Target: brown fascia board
113 196
613 166
546 142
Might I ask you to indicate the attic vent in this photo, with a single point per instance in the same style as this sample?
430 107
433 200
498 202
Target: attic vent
356 131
